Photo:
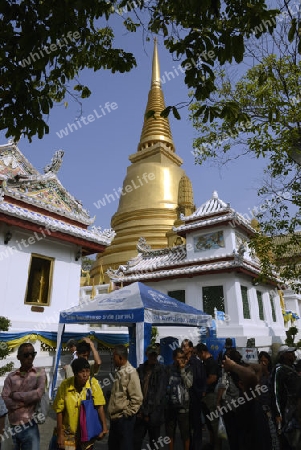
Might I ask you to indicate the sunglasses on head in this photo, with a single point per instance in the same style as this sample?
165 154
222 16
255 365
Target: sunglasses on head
28 354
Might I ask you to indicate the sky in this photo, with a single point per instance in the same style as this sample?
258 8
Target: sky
96 155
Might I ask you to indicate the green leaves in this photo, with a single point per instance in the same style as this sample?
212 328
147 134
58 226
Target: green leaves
5 323
176 113
52 42
151 114
165 113
293 29
85 92
130 25
261 116
43 47
4 349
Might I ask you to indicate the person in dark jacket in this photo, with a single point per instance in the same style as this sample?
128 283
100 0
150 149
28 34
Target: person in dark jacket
209 402
180 380
252 426
265 399
197 392
150 417
286 387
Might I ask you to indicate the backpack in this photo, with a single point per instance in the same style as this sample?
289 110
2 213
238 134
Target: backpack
177 393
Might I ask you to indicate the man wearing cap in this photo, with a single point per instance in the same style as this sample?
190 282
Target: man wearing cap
71 345
286 386
153 380
83 350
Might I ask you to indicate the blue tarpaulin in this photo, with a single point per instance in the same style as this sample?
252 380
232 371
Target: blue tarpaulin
138 306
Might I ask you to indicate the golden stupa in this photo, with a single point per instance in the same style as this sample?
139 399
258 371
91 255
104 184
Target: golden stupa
155 191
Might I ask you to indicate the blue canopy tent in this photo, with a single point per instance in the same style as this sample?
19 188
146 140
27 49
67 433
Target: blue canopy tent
136 306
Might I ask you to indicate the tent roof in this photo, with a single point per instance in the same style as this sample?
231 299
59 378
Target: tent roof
136 303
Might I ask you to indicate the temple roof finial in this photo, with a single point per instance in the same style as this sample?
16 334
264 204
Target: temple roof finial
156 66
156 129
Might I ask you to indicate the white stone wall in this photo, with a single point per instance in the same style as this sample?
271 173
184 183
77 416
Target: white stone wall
14 265
265 331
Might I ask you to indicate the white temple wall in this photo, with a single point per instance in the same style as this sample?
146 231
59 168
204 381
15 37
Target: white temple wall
232 237
14 262
236 325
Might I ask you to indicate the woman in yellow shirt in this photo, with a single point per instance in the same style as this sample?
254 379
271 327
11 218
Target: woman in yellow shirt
67 405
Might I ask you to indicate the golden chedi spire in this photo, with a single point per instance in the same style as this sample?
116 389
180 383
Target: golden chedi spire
154 185
156 128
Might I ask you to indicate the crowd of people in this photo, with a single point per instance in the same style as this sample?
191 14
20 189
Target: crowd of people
244 406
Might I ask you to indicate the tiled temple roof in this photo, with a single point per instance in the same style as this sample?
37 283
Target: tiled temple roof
212 206
152 268
41 199
171 262
94 234
21 181
213 212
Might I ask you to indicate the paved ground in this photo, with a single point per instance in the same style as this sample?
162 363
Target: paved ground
47 429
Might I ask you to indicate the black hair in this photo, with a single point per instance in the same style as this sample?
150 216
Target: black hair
79 364
201 348
190 344
177 351
25 344
83 347
268 357
234 355
228 343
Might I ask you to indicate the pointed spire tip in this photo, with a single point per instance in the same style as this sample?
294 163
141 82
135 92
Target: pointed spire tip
156 81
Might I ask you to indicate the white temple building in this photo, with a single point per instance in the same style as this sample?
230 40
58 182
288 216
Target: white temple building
44 232
215 271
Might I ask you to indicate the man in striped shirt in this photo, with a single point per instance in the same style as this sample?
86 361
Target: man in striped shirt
22 391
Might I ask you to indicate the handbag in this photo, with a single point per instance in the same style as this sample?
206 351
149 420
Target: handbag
89 422
70 443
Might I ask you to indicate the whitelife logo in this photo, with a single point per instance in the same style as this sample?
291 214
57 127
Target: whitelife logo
85 120
146 177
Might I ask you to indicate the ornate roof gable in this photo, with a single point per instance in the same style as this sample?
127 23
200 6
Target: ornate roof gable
213 212
213 206
13 163
149 260
23 182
